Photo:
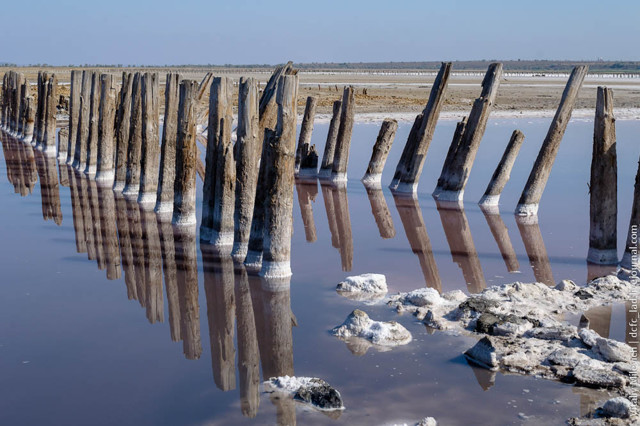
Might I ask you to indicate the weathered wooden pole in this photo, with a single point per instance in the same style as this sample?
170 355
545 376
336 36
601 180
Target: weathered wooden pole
267 106
164 200
631 248
330 146
150 141
51 101
455 174
80 156
380 152
123 126
30 119
343 143
304 141
603 212
184 195
40 107
74 112
24 91
94 120
279 201
247 163
104 167
220 105
409 168
532 193
225 170
134 150
502 173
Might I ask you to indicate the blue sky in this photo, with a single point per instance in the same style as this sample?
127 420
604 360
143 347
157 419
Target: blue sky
65 32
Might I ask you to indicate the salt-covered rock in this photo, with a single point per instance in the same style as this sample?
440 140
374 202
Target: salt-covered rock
618 407
423 297
427 421
586 374
359 325
562 333
566 285
484 353
365 283
588 336
309 390
614 351
568 357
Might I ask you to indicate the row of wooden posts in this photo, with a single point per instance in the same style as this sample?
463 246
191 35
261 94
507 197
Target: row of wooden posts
248 185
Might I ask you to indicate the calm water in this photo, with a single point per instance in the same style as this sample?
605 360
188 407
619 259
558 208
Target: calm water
109 316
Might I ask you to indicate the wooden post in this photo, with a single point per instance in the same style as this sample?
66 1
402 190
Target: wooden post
30 119
330 146
123 126
279 201
225 177
532 193
455 174
502 173
409 169
74 110
248 152
150 155
164 201
380 152
184 195
267 106
41 113
134 150
104 167
80 156
603 212
51 100
94 120
218 143
304 141
24 91
631 248
343 143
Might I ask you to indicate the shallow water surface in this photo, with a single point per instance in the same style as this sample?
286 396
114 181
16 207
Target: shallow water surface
83 267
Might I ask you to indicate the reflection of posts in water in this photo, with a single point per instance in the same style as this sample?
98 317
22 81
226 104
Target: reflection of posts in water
599 319
76 208
307 192
596 271
380 210
248 354
463 250
154 301
413 223
588 399
501 234
337 205
187 277
274 320
219 290
96 226
169 267
536 250
137 249
87 219
124 238
109 232
49 187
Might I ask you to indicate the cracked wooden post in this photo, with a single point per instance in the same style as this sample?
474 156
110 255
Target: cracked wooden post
80 156
455 173
51 100
501 175
123 126
184 190
306 129
134 149
150 153
330 145
30 119
343 142
218 141
74 109
248 152
267 106
409 168
380 152
24 92
225 170
279 201
532 193
41 113
603 212
166 179
104 167
630 257
94 120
